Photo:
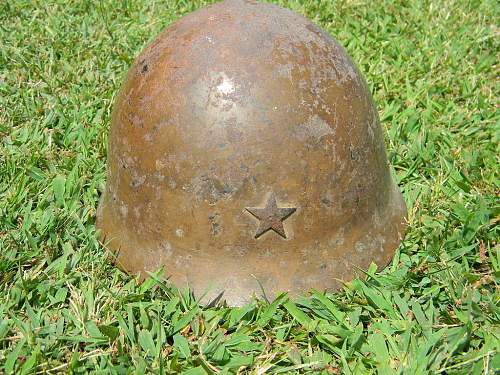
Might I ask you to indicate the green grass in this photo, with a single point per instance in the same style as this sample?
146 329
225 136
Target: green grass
432 67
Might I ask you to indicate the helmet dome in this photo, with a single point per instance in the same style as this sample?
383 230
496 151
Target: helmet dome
245 151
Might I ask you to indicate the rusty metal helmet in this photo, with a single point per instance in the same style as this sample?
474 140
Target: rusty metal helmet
246 154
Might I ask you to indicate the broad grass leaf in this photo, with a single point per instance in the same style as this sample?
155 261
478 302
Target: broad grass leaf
58 186
182 346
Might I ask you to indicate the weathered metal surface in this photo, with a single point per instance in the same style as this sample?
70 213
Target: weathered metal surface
238 105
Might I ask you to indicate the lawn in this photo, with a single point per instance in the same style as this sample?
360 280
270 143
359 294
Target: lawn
433 69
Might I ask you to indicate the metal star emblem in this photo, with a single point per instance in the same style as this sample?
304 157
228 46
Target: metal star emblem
271 217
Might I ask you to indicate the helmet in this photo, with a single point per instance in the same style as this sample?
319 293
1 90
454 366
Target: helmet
246 154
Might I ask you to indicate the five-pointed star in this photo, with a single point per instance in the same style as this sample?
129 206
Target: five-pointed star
271 216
